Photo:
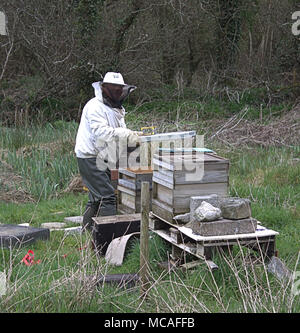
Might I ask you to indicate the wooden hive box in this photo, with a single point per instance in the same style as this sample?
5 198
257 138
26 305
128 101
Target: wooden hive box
178 177
129 189
107 228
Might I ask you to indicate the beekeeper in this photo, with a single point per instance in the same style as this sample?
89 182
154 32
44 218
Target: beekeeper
102 124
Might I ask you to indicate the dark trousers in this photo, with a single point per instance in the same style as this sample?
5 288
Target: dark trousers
102 199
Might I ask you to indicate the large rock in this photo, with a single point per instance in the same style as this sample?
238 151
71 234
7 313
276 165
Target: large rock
235 208
196 201
206 212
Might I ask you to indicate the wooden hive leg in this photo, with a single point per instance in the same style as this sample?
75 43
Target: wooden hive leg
177 255
268 248
208 255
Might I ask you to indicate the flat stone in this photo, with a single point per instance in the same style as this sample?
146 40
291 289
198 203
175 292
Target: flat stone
24 224
73 230
74 219
53 225
279 269
196 201
235 208
224 227
14 235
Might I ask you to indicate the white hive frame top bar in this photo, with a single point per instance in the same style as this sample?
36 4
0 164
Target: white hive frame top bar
168 136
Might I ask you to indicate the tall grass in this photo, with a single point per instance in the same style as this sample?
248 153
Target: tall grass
66 281
44 157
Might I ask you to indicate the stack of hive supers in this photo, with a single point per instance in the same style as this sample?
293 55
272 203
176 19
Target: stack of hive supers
130 178
129 189
179 176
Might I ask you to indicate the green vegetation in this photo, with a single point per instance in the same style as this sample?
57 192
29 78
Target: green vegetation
43 159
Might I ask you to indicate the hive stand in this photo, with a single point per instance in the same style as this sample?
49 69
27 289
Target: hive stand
183 241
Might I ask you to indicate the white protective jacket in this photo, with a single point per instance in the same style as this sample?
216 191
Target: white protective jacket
98 126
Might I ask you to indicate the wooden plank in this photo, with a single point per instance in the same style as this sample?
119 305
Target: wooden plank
144 238
156 224
161 164
129 201
161 212
262 232
187 248
164 194
160 180
144 155
122 209
183 193
128 184
175 235
207 176
191 265
179 198
132 185
127 172
117 218
186 161
168 136
126 190
153 150
197 178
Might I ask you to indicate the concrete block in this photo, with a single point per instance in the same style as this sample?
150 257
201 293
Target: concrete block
74 219
235 208
224 227
73 230
53 225
14 235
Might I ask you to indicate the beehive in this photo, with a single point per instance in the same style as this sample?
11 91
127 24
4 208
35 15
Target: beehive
177 177
129 189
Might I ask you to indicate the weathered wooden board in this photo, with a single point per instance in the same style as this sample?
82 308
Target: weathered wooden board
132 179
129 189
207 176
177 201
186 162
168 136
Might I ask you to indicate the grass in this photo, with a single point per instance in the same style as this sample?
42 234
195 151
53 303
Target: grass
61 282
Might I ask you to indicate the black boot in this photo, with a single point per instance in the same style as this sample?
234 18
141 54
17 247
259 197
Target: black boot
90 212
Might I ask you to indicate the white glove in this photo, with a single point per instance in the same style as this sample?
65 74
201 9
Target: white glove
122 133
134 138
125 133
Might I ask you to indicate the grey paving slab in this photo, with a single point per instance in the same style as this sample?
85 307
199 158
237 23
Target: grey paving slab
15 235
